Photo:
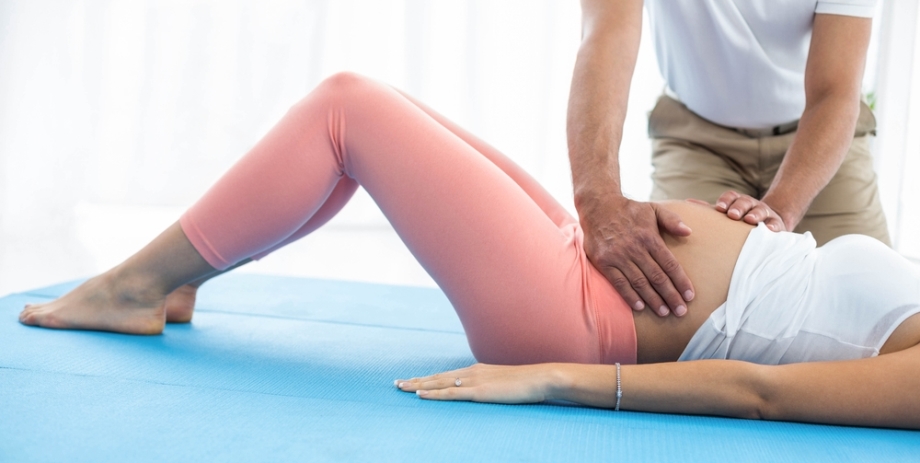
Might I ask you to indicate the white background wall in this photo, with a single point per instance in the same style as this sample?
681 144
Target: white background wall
116 114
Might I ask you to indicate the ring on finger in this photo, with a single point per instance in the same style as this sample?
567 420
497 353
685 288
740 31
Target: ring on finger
457 382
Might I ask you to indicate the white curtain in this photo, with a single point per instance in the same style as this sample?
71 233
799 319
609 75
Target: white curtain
116 114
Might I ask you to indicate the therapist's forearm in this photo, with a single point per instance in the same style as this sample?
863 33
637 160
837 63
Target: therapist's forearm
824 136
598 97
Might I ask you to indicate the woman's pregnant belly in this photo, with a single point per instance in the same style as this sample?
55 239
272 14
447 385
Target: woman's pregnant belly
708 257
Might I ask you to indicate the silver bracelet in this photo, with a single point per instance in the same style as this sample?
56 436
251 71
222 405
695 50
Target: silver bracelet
619 389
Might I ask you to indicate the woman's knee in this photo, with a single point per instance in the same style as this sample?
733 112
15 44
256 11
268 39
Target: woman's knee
346 85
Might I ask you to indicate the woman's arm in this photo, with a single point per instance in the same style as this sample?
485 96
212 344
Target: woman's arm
880 391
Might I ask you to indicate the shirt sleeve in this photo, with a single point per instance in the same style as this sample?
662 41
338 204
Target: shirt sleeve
861 8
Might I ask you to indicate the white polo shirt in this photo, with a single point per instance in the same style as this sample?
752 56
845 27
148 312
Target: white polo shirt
740 63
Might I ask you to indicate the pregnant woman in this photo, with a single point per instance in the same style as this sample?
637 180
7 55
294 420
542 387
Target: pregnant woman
510 260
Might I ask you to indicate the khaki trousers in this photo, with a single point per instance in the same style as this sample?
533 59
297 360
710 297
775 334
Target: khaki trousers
695 158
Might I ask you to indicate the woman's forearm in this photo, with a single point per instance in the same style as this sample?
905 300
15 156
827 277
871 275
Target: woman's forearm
876 391
709 387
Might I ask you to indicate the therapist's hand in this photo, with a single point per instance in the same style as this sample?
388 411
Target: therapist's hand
751 210
623 241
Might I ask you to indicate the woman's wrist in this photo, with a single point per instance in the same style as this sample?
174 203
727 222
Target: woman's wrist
592 385
560 381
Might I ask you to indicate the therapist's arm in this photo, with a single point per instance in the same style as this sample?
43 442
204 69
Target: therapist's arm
621 236
833 77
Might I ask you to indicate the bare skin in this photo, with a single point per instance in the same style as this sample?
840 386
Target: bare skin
180 304
132 297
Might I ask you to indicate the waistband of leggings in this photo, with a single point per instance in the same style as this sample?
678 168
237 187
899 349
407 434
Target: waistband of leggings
616 328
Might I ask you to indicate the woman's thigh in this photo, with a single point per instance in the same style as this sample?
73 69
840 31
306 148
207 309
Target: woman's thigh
516 279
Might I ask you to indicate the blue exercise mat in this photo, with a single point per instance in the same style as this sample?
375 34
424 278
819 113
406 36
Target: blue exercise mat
289 369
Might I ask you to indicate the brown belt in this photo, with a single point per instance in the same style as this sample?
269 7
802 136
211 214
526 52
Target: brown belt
776 130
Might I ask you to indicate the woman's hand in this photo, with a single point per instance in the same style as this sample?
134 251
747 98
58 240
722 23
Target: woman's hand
489 383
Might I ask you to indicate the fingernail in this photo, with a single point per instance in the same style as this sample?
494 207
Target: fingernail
721 205
684 226
421 393
396 382
663 310
680 311
639 305
688 295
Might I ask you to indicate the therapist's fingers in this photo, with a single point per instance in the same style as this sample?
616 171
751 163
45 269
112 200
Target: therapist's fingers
762 212
742 206
776 225
726 199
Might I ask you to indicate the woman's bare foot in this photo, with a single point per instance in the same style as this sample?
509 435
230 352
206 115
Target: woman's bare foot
105 303
180 304
130 298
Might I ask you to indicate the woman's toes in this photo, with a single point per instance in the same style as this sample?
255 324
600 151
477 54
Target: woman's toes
26 317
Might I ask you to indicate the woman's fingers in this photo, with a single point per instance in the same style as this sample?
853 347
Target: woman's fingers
438 381
442 386
457 393
485 383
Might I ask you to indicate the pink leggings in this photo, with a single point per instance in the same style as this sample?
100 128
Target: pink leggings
506 254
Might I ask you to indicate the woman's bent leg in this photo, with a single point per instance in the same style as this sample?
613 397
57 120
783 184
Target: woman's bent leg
517 280
347 186
180 304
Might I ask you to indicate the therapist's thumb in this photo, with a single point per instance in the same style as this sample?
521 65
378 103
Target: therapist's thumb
670 222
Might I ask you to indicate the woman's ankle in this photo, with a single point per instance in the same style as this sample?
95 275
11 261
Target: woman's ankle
131 286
